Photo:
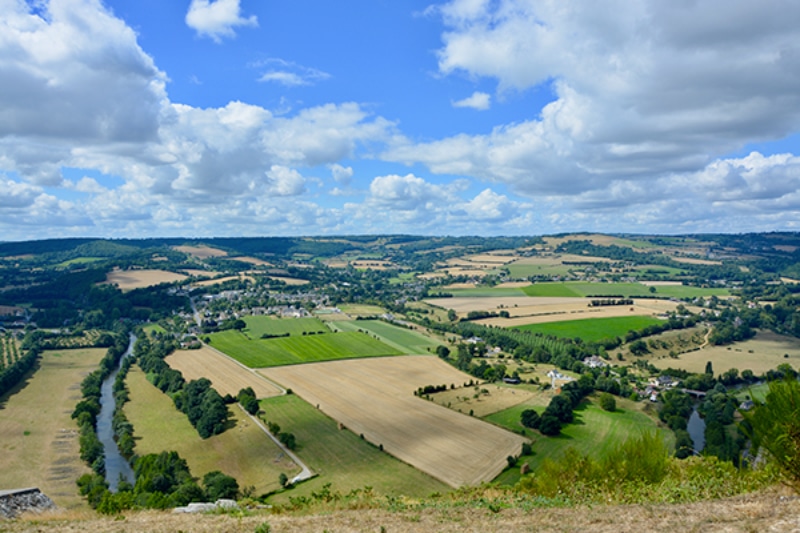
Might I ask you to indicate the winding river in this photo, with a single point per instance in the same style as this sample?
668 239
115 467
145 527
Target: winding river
116 465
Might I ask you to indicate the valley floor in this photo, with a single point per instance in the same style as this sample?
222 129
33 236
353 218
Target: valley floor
775 509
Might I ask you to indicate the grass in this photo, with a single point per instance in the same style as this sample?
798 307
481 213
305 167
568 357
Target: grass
592 329
583 289
362 309
484 292
341 457
39 441
405 340
260 325
262 353
243 451
594 432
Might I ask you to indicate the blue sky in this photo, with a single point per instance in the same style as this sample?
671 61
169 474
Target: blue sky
244 117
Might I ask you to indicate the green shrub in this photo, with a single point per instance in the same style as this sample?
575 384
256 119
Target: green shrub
607 402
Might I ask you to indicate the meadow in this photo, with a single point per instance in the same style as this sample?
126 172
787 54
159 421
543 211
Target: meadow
583 289
594 432
374 397
405 340
340 456
243 451
258 325
262 353
592 329
764 352
39 445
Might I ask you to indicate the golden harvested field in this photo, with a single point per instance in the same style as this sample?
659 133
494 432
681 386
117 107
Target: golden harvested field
695 261
201 252
763 352
217 281
38 439
491 259
127 280
496 398
226 375
374 397
541 309
253 261
200 273
243 451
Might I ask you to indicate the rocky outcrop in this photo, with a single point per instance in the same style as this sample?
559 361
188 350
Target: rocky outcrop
17 501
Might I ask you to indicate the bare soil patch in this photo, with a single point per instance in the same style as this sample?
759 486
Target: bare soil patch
374 397
38 439
127 280
226 375
201 252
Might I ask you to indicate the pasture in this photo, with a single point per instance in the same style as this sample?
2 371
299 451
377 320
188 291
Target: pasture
225 374
593 329
38 439
340 456
355 310
289 281
260 353
374 397
763 352
483 400
127 280
266 325
243 451
550 265
406 340
594 432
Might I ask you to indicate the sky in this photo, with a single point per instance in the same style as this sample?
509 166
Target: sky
203 118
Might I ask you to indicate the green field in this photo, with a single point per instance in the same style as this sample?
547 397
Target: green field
405 340
583 289
592 329
594 432
526 270
362 309
266 325
262 353
341 457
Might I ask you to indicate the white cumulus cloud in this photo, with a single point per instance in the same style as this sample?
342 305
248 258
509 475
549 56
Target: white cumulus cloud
217 18
478 100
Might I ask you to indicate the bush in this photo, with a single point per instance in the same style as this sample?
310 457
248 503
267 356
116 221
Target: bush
607 402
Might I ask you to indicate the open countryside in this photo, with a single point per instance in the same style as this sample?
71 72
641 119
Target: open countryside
375 397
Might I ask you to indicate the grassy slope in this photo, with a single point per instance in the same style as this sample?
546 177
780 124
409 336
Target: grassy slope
38 439
592 329
243 451
259 325
341 457
407 341
264 353
594 432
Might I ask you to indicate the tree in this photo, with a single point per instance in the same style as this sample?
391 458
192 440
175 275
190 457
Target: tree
220 486
709 368
530 419
283 479
561 408
549 425
451 315
443 351
607 402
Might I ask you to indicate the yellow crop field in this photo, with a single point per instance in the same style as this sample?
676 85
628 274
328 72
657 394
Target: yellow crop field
201 252
375 397
127 280
225 374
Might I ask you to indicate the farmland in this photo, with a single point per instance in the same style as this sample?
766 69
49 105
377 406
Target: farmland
763 352
265 325
243 451
407 341
591 330
225 374
582 289
201 252
375 397
341 457
127 280
259 353
39 439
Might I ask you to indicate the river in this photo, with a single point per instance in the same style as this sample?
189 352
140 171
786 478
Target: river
697 431
116 465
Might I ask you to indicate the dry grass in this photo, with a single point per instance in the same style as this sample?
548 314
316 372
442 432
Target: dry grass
243 451
127 280
771 510
201 252
694 261
226 375
217 281
764 352
290 281
494 399
253 261
374 397
373 264
38 439
200 273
